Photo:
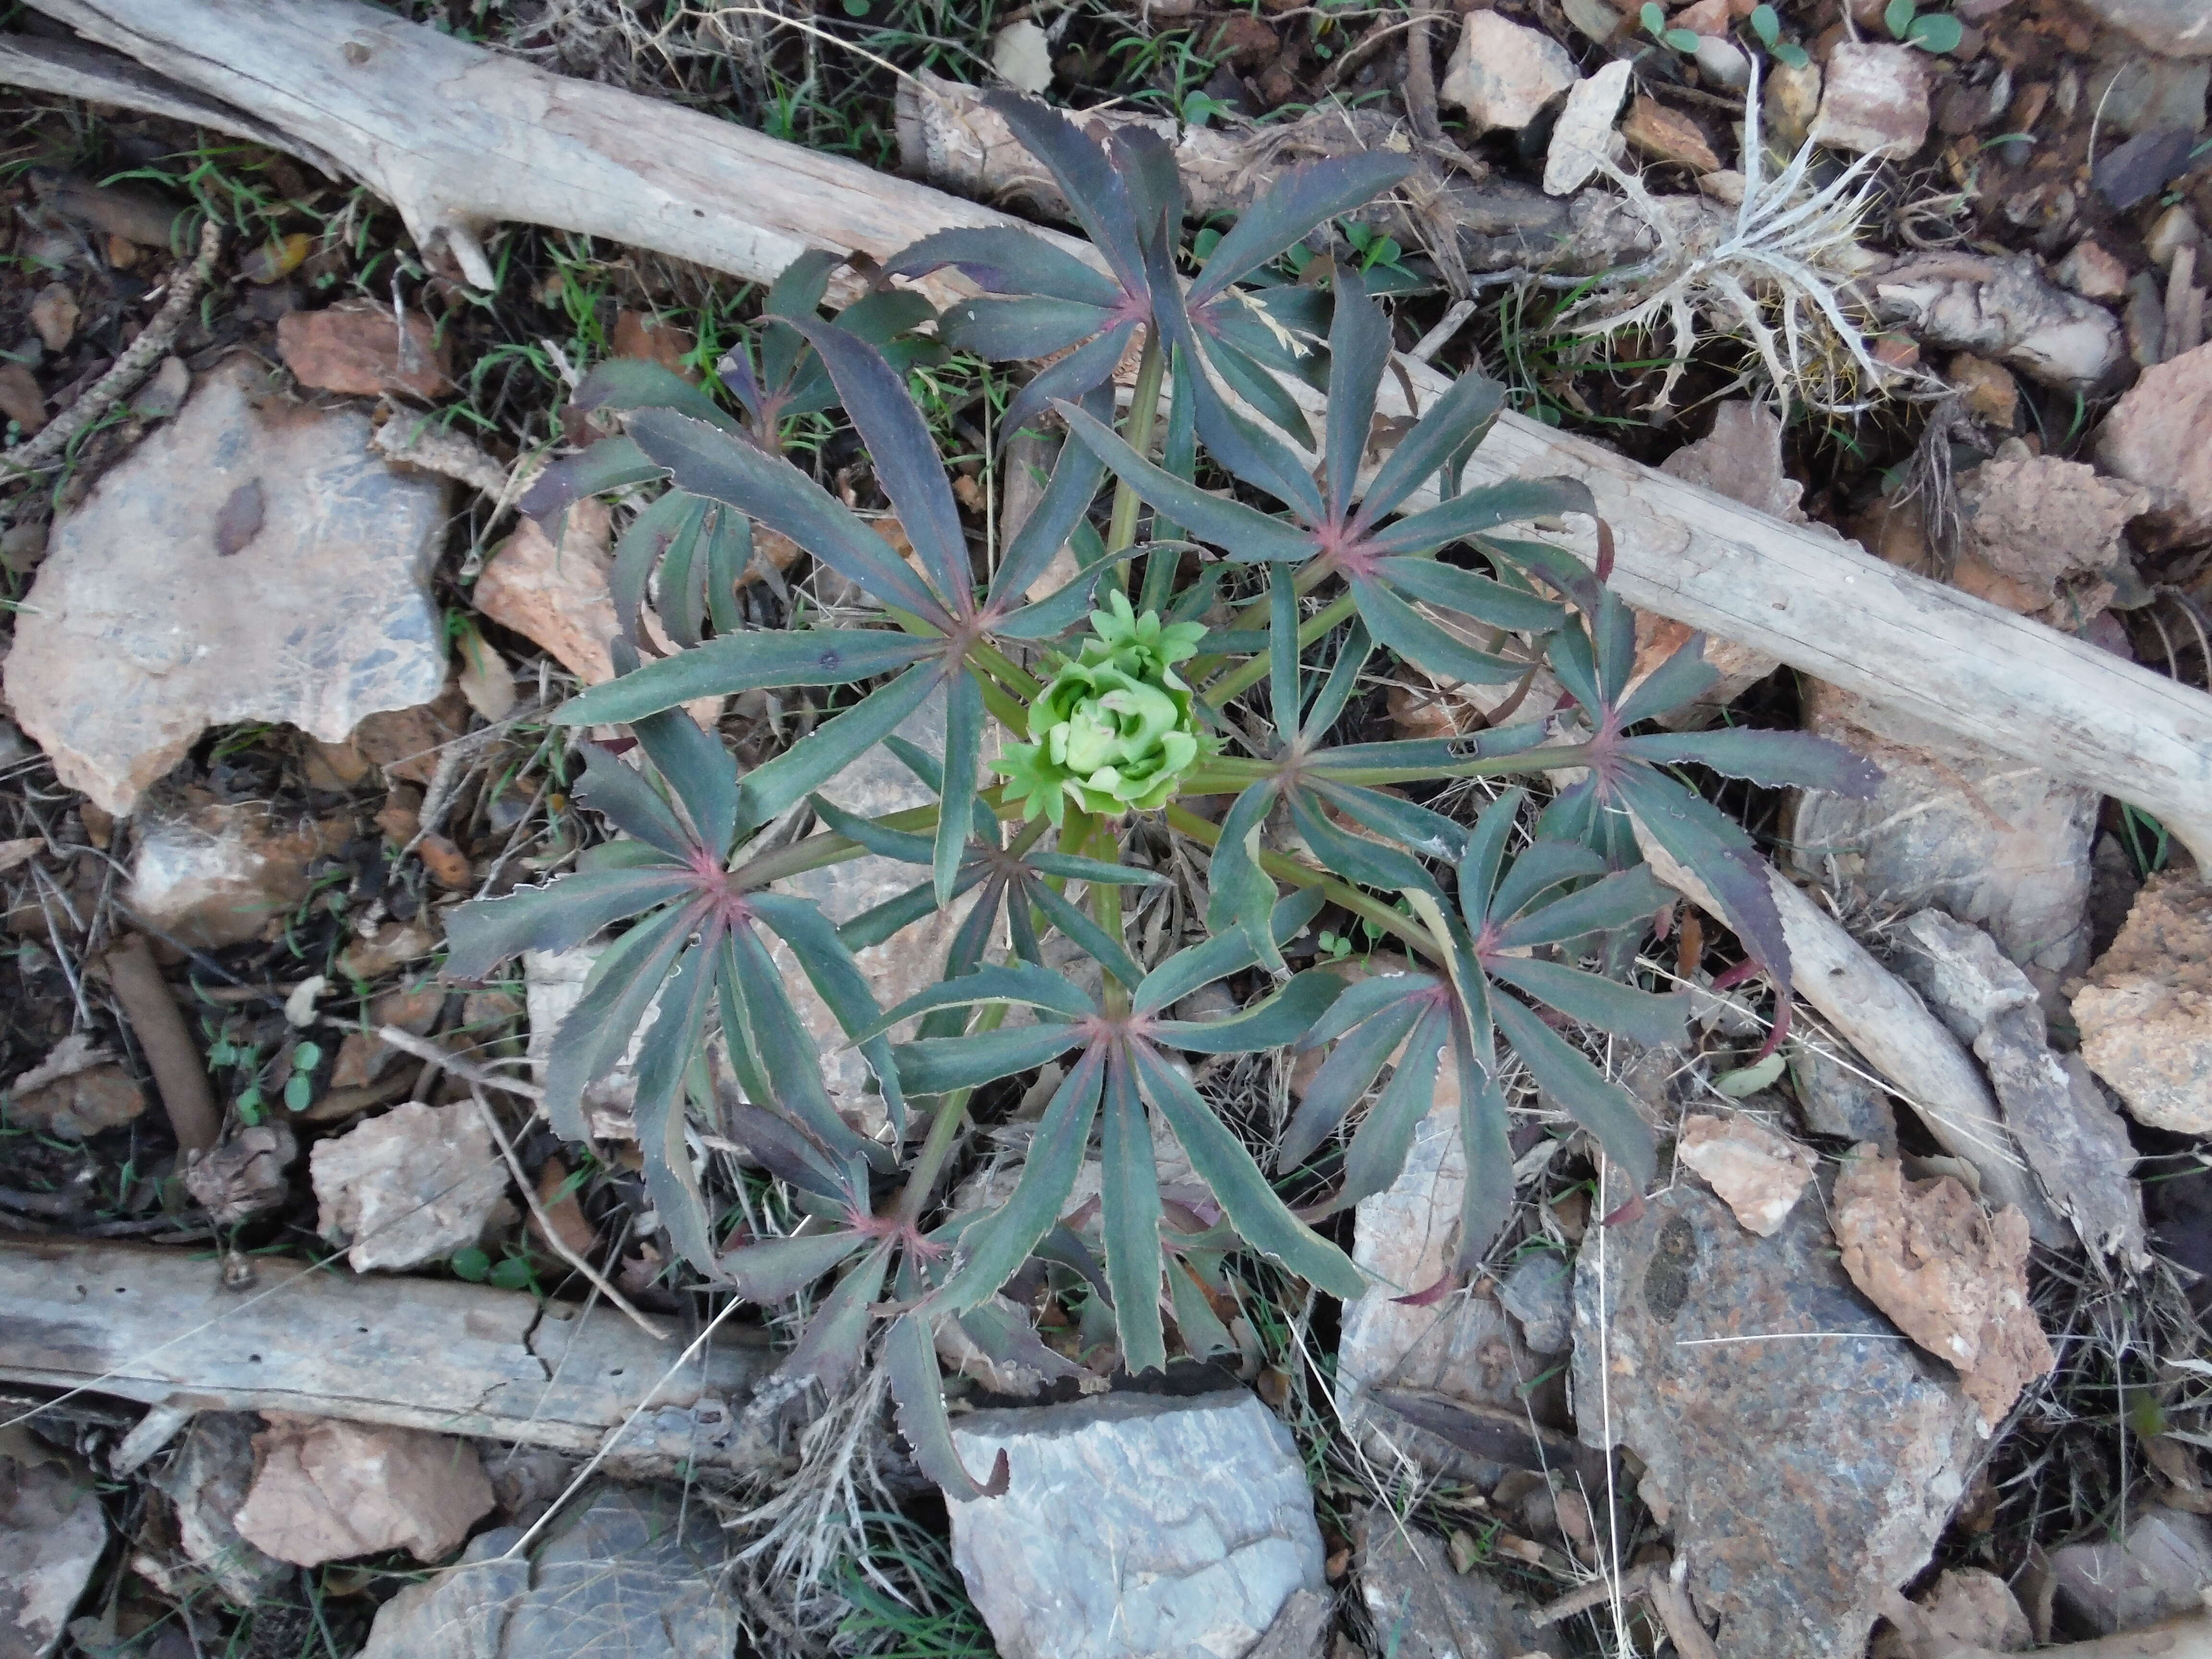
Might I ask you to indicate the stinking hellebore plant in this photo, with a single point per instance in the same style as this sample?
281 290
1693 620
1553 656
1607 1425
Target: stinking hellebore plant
1127 814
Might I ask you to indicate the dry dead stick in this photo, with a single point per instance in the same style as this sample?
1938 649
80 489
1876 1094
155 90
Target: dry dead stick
395 1037
552 1234
136 361
460 139
170 1052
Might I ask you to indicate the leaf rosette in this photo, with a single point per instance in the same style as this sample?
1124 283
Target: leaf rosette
1115 730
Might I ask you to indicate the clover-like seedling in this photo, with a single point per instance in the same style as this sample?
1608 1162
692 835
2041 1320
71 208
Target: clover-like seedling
1938 32
1767 26
1654 19
1113 729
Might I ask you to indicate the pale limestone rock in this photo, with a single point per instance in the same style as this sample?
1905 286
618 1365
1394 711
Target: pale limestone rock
1136 1524
1874 100
2146 1013
1583 139
141 631
1502 73
1757 1173
2076 1145
1990 839
1952 1279
326 1490
412 1186
2160 434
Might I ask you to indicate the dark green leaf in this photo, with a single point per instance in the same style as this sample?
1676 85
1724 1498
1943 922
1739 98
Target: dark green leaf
1774 759
1067 496
709 463
837 1337
910 1358
1462 516
1625 897
1267 1024
935 1065
591 1041
1601 1107
1414 637
832 746
1682 679
963 750
1245 533
1469 594
1107 951
610 464
699 770
1359 349
1546 866
1218 958
557 916
828 964
790 1059
1007 262
1240 893
1466 410
1299 203
1219 1159
1654 1021
1344 1075
1700 837
628 383
994 1249
1378 1149
1486 1204
620 793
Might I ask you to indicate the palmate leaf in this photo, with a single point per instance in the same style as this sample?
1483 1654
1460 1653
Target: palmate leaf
1564 894
1595 661
693 951
1389 569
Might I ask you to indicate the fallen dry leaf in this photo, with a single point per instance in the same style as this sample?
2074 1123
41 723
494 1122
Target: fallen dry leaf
1952 1279
448 866
20 851
556 595
654 341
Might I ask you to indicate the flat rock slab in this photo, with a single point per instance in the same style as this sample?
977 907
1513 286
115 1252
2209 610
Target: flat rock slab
1136 1524
51 1533
251 560
633 1572
1423 1609
1807 1460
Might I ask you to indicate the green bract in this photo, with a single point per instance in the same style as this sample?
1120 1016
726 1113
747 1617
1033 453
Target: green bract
1114 731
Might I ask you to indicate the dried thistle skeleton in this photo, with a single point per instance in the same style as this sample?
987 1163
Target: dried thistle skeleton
1779 272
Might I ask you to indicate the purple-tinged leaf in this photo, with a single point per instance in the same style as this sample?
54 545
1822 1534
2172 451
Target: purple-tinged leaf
626 383
1469 594
1240 893
1358 351
1710 844
610 464
835 1339
664 1061
1773 759
1633 896
1515 501
700 772
791 1060
1001 329
1247 534
621 794
1414 637
1079 377
1344 1075
832 746
745 662
936 1065
828 964
591 1041
1223 955
910 1359
1683 678
1467 409
777 1269
1486 1203
1096 194
1267 1024
1076 474
964 752
1385 1135
1018 982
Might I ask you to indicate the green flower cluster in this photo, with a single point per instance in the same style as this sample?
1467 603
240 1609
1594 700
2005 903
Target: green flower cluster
1114 731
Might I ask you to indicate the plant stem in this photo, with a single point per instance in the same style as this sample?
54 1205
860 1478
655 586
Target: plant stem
1284 867
943 1132
1137 432
1248 671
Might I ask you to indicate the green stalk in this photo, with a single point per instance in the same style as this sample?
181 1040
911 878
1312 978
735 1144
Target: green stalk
1137 432
943 1132
1284 867
1250 672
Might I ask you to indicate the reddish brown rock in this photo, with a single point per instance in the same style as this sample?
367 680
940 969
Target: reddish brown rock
355 347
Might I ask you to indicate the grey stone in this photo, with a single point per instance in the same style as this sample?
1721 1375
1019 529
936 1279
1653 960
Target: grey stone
1539 1292
141 631
1836 1097
634 1572
1422 1609
2182 28
2142 94
1806 1472
1988 838
51 1533
2160 1566
2075 1143
206 1482
1136 1524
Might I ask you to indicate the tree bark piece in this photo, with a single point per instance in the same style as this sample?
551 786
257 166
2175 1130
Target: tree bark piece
459 139
158 1326
1885 1020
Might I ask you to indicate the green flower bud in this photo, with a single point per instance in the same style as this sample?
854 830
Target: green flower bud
1114 731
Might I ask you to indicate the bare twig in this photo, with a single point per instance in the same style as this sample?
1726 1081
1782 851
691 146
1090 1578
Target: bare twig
132 366
468 1071
551 1233
170 1052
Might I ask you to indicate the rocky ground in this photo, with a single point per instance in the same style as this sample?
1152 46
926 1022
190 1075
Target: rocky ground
1904 1355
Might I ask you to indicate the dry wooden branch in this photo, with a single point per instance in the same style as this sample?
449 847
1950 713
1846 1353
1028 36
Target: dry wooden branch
1882 1018
460 139
158 1326
171 1054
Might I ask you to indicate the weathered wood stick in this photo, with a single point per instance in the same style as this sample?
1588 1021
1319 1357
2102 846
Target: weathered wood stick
159 1327
460 139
